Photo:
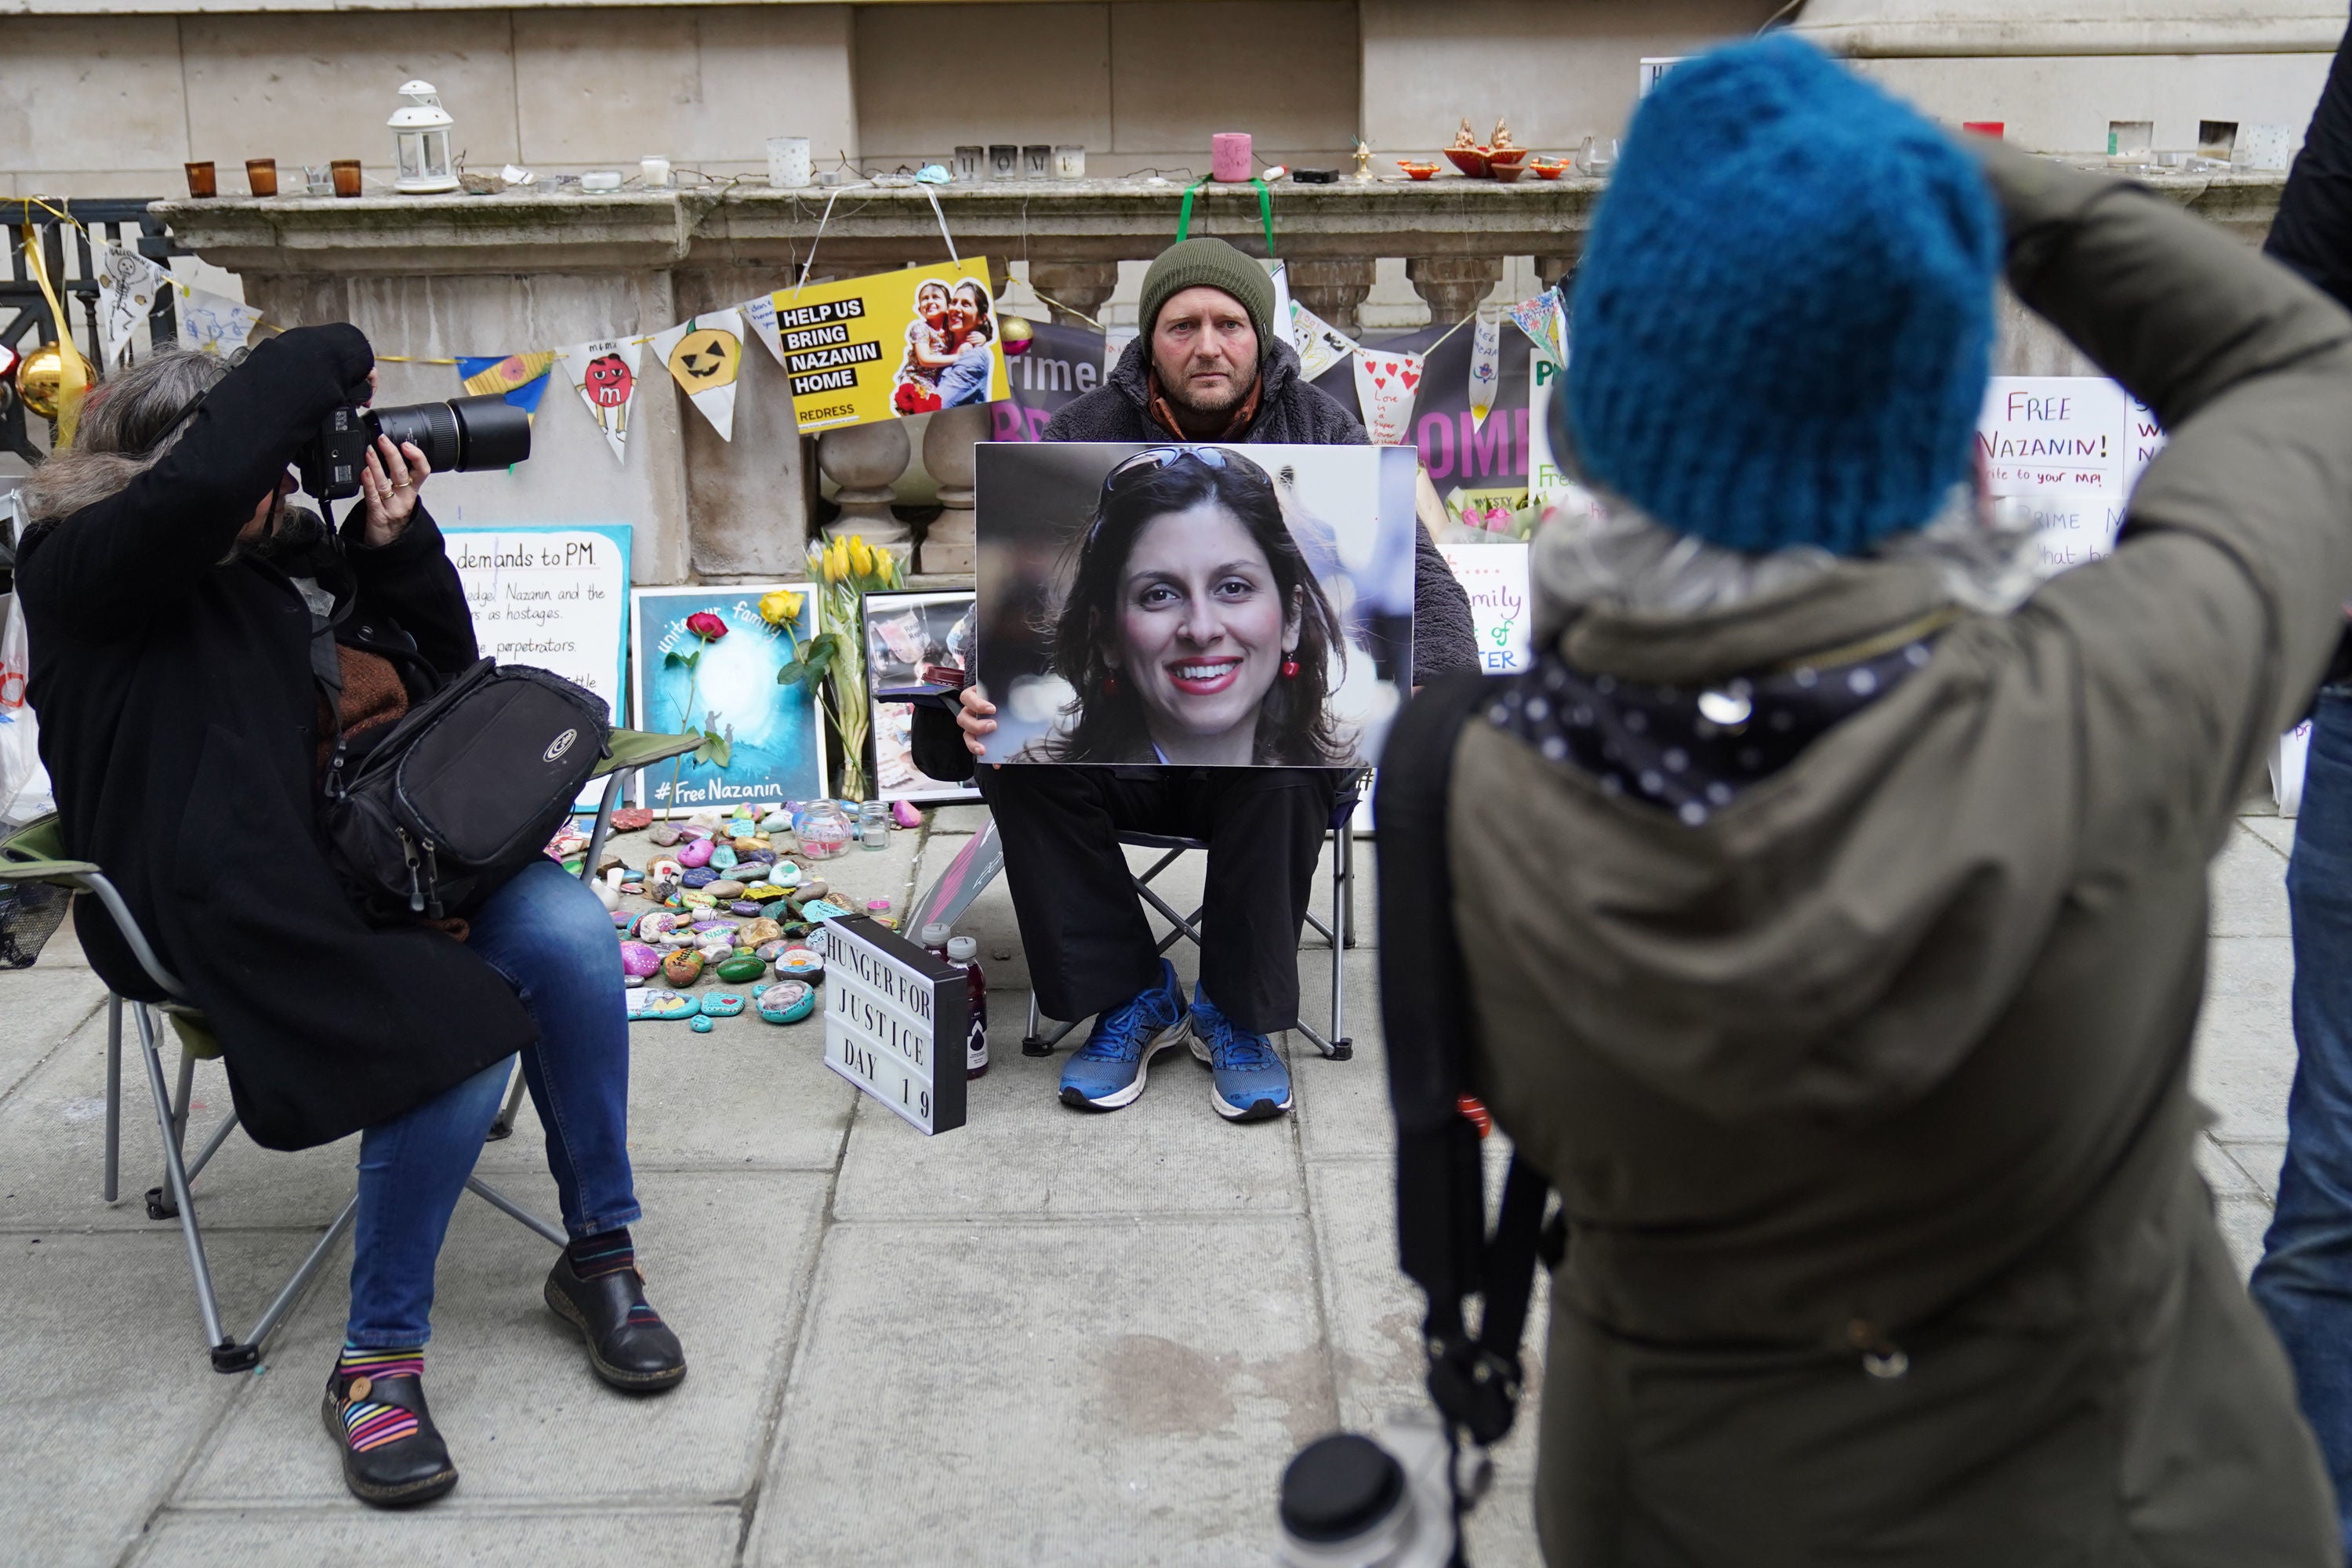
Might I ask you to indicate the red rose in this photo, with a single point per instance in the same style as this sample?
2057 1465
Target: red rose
705 625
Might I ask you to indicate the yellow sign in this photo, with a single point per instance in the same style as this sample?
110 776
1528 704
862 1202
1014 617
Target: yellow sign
865 349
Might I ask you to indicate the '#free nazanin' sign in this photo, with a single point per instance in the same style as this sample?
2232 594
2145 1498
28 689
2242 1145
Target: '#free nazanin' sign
894 1021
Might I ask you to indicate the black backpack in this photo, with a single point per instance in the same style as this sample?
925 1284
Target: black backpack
462 792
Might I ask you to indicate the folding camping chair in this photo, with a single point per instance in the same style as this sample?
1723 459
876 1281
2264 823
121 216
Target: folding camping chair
35 854
1340 934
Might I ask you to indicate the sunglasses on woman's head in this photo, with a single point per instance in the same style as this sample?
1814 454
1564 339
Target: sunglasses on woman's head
1158 457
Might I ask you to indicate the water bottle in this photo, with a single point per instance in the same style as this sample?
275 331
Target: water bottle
965 951
1349 1500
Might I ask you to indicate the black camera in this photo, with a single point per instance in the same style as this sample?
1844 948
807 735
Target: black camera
460 436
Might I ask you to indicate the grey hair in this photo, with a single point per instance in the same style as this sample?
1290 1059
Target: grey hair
129 421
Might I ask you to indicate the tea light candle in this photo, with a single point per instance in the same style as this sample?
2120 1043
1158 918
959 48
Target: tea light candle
656 171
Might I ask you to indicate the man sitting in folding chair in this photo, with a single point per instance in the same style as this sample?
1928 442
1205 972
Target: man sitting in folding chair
189 632
1210 366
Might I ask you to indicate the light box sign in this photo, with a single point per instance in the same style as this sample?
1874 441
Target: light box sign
895 1022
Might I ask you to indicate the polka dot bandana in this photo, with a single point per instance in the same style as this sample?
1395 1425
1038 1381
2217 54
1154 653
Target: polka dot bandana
1689 750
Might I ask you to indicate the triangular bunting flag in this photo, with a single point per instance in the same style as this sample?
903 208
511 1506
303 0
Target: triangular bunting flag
1320 344
1539 318
128 287
1385 387
705 354
604 373
211 325
761 313
521 379
1486 367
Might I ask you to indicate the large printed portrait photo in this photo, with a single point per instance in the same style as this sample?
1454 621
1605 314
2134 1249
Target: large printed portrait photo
1193 606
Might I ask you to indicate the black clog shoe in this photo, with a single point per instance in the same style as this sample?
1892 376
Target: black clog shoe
392 1454
628 1344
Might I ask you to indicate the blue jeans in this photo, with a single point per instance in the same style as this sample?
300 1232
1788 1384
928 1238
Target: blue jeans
2304 1280
552 939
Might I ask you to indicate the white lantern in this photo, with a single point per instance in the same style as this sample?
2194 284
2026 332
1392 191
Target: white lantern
421 127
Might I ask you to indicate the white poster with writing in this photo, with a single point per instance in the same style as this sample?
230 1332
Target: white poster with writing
555 597
2047 434
1495 578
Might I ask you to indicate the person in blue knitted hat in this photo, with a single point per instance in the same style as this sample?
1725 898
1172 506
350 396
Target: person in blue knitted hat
1783 322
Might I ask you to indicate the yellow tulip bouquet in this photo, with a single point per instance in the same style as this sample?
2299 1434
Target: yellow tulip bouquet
845 572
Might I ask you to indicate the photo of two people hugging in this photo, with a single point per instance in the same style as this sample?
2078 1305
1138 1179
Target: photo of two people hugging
948 362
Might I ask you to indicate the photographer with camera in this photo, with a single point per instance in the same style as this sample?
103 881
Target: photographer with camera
200 650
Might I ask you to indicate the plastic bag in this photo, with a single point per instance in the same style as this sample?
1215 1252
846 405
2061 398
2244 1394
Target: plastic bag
24 782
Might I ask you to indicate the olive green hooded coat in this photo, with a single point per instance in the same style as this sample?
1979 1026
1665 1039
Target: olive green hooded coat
1868 1099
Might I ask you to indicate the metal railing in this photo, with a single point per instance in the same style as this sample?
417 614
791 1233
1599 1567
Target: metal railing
66 253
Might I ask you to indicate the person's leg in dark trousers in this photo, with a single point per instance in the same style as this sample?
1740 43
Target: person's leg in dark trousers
1082 928
1265 827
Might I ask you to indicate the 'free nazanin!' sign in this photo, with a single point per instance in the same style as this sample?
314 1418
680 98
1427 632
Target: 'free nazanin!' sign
894 1021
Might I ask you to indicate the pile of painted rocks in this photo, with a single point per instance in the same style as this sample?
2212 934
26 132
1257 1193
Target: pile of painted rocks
731 906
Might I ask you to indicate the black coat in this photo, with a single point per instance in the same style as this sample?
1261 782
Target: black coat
1291 411
178 719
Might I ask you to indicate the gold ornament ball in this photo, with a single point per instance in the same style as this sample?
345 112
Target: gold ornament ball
38 378
1018 334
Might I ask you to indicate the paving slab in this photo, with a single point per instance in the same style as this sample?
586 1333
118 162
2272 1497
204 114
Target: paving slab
2226 1176
305 1538
2243 1222
748 1093
2248 887
726 1257
1058 1394
106 1390
1343 1107
2244 1057
2260 1159
1022 1152
38 1007
958 819
2278 832
53 1150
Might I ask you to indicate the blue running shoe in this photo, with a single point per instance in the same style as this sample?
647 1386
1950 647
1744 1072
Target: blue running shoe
1247 1081
1107 1072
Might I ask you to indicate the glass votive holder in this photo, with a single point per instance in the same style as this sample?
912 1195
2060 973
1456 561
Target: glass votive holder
1036 160
1070 162
970 162
345 173
262 176
1003 161
201 181
655 170
318 179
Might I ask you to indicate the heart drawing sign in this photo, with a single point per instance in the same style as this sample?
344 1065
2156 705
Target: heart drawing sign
1385 384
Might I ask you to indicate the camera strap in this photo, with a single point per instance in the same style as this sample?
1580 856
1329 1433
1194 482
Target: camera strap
1475 1378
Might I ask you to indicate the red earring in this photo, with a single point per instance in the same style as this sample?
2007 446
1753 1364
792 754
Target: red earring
1289 669
1110 686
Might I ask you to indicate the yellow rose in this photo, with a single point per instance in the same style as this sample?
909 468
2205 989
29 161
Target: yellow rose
781 608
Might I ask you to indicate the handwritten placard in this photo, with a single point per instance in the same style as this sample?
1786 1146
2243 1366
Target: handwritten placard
555 597
1496 577
2043 435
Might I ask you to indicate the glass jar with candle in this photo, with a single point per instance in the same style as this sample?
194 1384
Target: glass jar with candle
262 176
201 180
970 162
823 829
1069 162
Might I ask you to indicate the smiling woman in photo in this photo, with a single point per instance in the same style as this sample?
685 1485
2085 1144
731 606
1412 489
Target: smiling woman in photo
1194 632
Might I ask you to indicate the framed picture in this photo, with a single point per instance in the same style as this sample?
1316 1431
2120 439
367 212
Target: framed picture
1193 606
917 644
718 676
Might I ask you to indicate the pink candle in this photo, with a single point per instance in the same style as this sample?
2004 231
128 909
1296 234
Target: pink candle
1229 155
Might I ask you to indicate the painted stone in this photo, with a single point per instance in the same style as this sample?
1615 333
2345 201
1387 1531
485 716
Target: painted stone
696 876
637 958
788 1003
761 857
666 834
758 932
743 907
775 822
683 967
633 980
723 1004
674 939
704 925
811 887
635 890
762 893
724 889
703 1025
623 919
785 874
694 854
663 870
798 963
662 892
696 900
630 818
904 813
769 952
705 819
722 858
715 953
667 1005
737 968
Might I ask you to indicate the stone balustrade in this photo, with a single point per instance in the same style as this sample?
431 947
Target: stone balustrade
431 276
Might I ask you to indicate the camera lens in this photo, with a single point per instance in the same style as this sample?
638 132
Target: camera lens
1340 1489
432 426
461 435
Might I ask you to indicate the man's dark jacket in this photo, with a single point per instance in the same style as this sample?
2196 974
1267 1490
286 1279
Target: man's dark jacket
1290 412
179 721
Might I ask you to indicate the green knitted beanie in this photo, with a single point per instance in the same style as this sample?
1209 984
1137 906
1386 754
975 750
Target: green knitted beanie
1192 263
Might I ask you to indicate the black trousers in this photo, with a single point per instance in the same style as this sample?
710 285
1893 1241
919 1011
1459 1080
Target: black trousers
1090 944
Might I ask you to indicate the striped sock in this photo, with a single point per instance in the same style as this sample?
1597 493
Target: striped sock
611 1253
368 1422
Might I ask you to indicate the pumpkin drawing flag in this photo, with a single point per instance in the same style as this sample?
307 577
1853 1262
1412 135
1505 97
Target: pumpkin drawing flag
604 373
1385 384
520 379
705 354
